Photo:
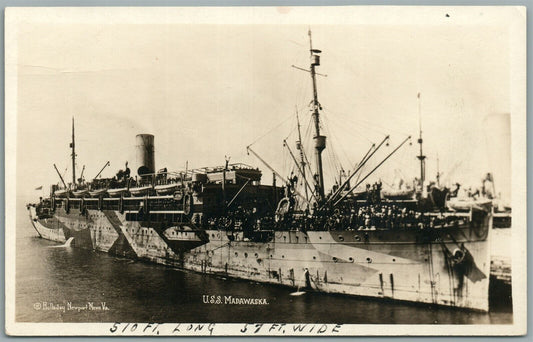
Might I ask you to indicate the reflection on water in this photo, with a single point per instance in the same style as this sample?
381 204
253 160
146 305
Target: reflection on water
48 279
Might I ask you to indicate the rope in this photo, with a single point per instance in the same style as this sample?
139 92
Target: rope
271 130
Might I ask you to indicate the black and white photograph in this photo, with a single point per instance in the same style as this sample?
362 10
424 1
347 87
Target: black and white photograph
266 171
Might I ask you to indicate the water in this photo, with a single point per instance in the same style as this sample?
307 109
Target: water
141 292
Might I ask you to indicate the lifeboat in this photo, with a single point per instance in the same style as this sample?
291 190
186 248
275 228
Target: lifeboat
62 193
97 192
166 189
80 193
140 191
358 195
459 204
398 194
117 192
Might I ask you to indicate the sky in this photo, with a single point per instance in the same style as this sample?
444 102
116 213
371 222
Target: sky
207 91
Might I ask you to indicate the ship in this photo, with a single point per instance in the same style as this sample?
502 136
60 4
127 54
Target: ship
223 221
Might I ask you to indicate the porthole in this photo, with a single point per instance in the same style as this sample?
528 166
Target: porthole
314 257
350 259
357 238
246 255
393 260
369 260
283 256
320 237
341 238
256 255
335 259
236 254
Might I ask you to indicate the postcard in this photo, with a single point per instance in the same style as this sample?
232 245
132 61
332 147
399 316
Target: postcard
265 171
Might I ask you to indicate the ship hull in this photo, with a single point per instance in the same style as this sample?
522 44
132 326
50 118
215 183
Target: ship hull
400 265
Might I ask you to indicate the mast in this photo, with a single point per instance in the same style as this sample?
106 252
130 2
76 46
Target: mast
73 146
320 140
421 156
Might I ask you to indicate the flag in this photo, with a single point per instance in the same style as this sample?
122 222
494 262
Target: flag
39 188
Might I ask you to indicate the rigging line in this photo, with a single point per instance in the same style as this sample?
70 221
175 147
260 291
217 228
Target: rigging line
335 143
337 60
361 164
307 138
271 130
332 157
334 162
365 156
366 122
293 129
381 163
275 172
309 128
362 125
359 174
302 83
404 165
331 152
343 150
284 163
352 129
299 170
289 165
300 88
325 127
381 127
307 163
300 148
65 172
330 164
386 129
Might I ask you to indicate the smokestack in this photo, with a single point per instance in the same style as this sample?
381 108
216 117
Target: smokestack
145 154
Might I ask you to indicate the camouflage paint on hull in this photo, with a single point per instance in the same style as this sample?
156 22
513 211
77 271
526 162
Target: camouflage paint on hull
407 265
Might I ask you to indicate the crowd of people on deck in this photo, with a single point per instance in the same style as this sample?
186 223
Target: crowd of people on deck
364 217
